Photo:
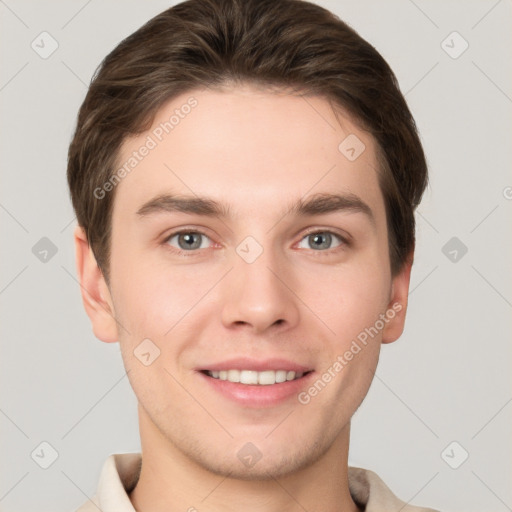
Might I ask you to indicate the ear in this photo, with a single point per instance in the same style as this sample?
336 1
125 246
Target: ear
96 295
397 306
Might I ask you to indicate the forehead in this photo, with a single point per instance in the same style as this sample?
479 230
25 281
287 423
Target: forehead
248 148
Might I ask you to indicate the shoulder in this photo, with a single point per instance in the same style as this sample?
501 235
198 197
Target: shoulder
372 495
91 505
118 477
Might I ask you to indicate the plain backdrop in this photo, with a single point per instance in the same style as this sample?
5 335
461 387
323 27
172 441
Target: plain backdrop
441 393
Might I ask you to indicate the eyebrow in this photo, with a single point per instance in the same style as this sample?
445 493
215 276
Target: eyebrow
317 204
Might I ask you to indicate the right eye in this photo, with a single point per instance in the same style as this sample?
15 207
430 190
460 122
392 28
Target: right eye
187 241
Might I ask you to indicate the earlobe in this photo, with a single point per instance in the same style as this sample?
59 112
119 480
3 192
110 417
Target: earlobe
96 296
397 306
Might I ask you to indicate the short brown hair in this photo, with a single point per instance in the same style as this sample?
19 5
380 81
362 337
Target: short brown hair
284 43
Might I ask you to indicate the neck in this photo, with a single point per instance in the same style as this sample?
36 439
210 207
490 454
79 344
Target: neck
169 480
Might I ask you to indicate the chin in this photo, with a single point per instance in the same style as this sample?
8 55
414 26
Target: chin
259 460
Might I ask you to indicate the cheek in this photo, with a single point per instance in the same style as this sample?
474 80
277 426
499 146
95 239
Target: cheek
347 299
152 299
160 310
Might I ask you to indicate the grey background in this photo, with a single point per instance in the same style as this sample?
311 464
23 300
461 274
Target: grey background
447 379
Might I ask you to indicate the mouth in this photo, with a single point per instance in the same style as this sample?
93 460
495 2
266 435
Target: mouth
256 378
256 383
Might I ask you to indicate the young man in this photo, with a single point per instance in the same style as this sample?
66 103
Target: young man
244 175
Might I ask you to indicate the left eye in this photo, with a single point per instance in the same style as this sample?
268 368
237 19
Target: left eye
321 240
189 240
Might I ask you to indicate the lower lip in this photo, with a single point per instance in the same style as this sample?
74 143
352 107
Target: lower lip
256 395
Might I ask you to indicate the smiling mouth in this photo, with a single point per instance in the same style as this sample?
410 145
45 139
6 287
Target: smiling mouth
254 378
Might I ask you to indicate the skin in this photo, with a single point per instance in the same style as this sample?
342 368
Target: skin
256 151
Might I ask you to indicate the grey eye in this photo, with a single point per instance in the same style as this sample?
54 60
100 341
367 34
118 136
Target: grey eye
188 240
320 240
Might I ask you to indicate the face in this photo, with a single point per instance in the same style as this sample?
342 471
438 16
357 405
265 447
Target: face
249 244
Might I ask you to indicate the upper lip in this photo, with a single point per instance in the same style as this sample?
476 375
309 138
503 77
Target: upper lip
244 363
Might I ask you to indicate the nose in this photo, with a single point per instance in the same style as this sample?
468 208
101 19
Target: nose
259 295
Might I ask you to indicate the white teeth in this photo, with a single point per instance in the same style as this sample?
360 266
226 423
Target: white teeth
281 376
248 377
265 378
233 375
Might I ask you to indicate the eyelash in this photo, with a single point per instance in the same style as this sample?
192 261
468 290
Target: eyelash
344 242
